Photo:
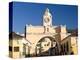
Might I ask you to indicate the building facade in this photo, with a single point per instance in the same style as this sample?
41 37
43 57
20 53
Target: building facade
47 40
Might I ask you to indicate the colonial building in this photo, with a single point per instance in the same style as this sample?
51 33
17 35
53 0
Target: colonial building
45 40
16 44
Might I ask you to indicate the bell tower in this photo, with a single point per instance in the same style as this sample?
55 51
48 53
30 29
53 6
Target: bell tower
47 20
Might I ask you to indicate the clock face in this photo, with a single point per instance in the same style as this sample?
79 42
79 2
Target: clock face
47 20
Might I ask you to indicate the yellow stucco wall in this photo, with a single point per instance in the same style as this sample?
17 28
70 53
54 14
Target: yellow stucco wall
74 45
38 29
35 33
16 43
35 29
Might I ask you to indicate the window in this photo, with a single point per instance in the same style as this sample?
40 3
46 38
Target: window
10 48
16 49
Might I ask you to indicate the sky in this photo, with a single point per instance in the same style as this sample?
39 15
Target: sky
32 13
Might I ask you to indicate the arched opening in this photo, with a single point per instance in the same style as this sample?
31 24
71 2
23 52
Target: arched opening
47 46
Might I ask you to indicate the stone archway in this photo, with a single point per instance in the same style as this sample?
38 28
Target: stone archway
47 46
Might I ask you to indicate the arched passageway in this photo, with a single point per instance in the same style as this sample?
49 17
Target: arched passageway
47 46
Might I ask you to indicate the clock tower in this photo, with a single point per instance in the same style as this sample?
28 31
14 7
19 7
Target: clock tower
47 20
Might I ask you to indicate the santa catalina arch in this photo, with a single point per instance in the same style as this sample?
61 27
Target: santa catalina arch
44 40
